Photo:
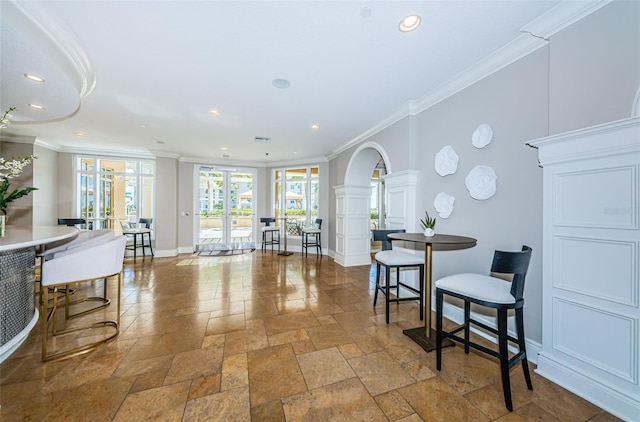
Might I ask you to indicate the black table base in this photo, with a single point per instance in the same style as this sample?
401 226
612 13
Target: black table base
428 344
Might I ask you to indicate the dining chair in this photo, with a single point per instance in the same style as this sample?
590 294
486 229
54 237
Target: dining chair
269 230
73 222
85 263
394 259
316 233
491 292
134 232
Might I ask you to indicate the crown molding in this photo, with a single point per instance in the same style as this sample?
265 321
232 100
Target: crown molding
108 152
534 36
61 43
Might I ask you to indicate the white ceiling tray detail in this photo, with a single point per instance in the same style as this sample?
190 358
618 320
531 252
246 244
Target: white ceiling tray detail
482 136
444 204
481 182
446 161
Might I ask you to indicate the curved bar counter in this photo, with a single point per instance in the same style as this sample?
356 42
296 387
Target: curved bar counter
18 313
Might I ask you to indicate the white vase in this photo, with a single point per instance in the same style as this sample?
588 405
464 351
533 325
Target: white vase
3 222
429 232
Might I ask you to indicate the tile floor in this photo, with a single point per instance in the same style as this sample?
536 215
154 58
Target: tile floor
264 337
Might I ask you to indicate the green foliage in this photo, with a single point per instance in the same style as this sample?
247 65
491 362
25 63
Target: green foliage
428 222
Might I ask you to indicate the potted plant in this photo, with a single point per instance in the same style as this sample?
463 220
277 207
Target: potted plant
428 223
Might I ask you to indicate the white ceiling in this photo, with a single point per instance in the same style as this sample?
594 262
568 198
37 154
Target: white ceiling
111 66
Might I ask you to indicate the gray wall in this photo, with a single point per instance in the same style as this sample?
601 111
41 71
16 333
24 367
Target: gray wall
588 74
45 178
20 212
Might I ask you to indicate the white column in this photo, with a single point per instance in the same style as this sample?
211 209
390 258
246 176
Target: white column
353 234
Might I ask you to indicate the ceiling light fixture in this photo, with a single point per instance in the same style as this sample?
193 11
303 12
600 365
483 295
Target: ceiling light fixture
159 142
80 134
223 148
409 23
36 106
263 139
142 125
214 112
34 78
281 83
315 127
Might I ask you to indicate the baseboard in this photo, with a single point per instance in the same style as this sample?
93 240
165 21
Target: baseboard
619 405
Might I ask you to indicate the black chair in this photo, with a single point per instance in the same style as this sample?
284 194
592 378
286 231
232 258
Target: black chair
73 222
494 293
271 230
396 259
316 233
146 221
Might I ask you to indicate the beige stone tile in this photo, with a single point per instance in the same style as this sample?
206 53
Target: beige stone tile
394 406
380 373
468 372
434 399
149 380
289 306
91 369
325 336
252 338
268 412
162 403
100 400
350 350
194 364
418 370
290 322
235 373
166 344
274 373
231 405
354 319
324 367
225 324
288 337
490 399
137 367
207 385
560 403
343 401
304 346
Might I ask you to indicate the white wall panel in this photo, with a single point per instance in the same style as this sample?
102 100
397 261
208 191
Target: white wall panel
602 343
600 268
586 198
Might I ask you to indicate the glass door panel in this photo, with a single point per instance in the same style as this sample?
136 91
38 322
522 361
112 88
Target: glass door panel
225 214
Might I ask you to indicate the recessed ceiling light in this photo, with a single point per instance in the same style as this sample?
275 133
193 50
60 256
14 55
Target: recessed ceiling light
281 83
214 112
36 106
315 127
34 78
365 12
80 134
142 125
263 139
409 23
223 148
159 142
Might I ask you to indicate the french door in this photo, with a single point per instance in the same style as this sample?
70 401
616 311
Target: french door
225 213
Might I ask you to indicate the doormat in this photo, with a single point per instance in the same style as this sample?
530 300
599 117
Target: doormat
224 249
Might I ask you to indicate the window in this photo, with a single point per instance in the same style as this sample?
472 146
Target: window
112 191
296 196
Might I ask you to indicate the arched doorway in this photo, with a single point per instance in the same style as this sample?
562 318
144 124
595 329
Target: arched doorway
353 203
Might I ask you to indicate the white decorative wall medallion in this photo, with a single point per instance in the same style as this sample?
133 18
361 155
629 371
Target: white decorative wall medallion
482 136
444 204
481 182
446 161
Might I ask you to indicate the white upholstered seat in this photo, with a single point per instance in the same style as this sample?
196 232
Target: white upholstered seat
83 263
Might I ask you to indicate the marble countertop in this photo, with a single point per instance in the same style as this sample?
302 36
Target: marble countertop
17 237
